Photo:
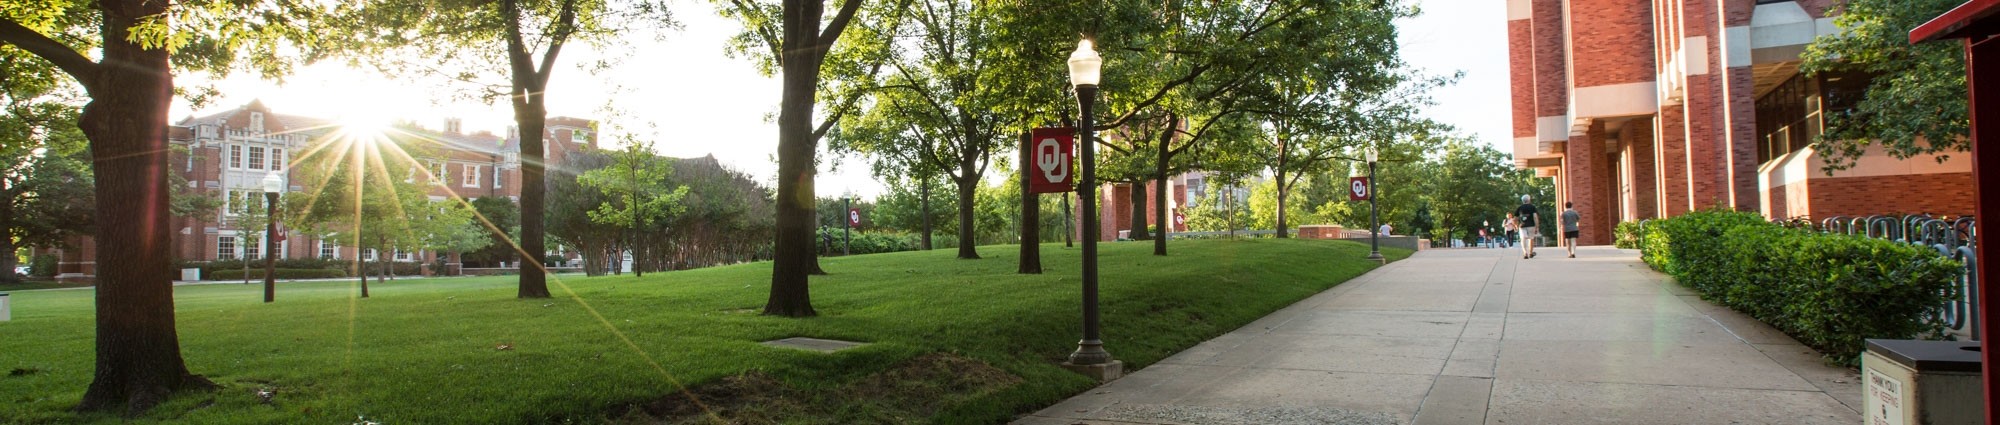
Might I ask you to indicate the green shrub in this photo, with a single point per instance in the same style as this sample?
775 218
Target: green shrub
1831 292
281 273
44 265
1626 235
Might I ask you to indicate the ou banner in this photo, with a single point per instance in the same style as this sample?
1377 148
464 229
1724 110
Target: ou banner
1051 159
1360 189
854 217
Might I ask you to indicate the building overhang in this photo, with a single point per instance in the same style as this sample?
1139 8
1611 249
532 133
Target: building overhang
1974 19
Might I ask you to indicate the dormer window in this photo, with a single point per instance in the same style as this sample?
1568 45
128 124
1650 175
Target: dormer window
256 121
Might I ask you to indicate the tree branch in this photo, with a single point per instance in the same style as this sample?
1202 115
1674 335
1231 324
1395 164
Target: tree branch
65 58
839 24
564 26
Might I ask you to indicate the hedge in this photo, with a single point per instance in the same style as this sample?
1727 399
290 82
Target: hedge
1626 235
43 265
282 274
1831 292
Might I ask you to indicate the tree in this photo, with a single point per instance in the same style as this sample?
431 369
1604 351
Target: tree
1469 187
501 213
460 40
45 196
791 37
637 183
569 212
452 226
1915 104
140 45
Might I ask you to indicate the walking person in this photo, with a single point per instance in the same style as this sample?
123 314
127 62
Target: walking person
1529 217
1570 221
1508 230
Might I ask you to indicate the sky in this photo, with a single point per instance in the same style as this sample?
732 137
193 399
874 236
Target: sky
693 100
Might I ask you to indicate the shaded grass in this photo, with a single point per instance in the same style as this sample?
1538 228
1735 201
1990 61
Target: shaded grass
430 350
33 284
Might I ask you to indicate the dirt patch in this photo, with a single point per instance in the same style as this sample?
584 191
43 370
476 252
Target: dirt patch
912 391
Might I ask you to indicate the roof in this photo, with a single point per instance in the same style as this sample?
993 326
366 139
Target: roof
1974 20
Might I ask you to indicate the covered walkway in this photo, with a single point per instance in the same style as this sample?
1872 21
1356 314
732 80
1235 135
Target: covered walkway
1480 336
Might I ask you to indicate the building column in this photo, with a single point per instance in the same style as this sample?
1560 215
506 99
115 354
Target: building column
1672 161
1640 158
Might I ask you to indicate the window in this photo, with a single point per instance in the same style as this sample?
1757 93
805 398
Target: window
471 175
328 250
1196 189
370 255
256 157
437 172
256 121
496 177
277 159
235 156
402 256
225 248
251 250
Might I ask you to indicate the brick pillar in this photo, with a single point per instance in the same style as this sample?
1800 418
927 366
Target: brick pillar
1708 155
1641 157
1551 71
1672 161
1590 186
1521 68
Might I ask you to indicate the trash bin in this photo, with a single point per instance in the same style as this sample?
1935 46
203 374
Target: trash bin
1921 382
190 274
6 309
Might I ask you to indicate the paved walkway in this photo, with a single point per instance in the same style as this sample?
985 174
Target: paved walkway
1475 336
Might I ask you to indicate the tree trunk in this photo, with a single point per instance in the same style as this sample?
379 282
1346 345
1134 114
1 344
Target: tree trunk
1138 192
925 199
532 118
794 258
1069 223
1161 214
1281 188
138 351
1031 237
968 187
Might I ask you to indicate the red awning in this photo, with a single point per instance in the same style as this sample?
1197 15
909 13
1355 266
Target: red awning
1969 20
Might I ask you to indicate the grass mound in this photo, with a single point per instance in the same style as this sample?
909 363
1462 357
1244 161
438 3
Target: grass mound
951 341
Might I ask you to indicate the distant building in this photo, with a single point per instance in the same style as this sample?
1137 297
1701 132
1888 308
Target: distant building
229 153
1644 109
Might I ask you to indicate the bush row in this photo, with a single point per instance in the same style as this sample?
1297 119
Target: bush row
233 269
1626 235
1831 292
281 274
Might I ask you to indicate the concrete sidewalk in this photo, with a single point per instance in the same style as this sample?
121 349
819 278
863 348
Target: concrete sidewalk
1472 336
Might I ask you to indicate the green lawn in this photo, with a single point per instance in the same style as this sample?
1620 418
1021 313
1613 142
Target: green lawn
954 341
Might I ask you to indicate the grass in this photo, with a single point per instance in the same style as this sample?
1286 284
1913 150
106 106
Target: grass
953 341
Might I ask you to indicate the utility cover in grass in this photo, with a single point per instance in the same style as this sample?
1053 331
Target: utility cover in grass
814 344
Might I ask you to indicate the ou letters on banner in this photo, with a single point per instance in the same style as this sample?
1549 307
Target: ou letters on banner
1359 189
1052 155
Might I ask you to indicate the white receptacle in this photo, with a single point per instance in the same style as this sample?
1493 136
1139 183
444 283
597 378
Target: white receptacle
6 308
190 274
1920 382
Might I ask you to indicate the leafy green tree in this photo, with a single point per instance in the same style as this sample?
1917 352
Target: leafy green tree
1915 103
636 181
1220 207
45 195
1470 188
136 47
790 36
502 214
460 40
453 227
569 212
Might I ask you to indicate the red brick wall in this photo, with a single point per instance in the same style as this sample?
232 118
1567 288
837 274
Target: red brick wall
1604 34
1521 74
1640 148
1741 115
1778 209
1551 73
1672 137
1937 194
1816 8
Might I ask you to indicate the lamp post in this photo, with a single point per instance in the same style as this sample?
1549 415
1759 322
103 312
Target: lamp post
272 186
1374 214
847 205
1085 67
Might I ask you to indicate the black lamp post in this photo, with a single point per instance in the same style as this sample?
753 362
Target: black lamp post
1085 67
273 184
846 241
1374 214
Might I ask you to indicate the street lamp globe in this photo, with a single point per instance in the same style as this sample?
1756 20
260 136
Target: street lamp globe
273 183
1084 65
1370 153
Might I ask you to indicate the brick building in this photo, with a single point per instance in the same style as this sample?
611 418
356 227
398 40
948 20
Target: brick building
1642 109
228 154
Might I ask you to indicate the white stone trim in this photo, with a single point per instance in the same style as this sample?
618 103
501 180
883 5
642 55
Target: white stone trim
1520 9
1616 100
1736 41
1693 55
1805 164
1552 129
